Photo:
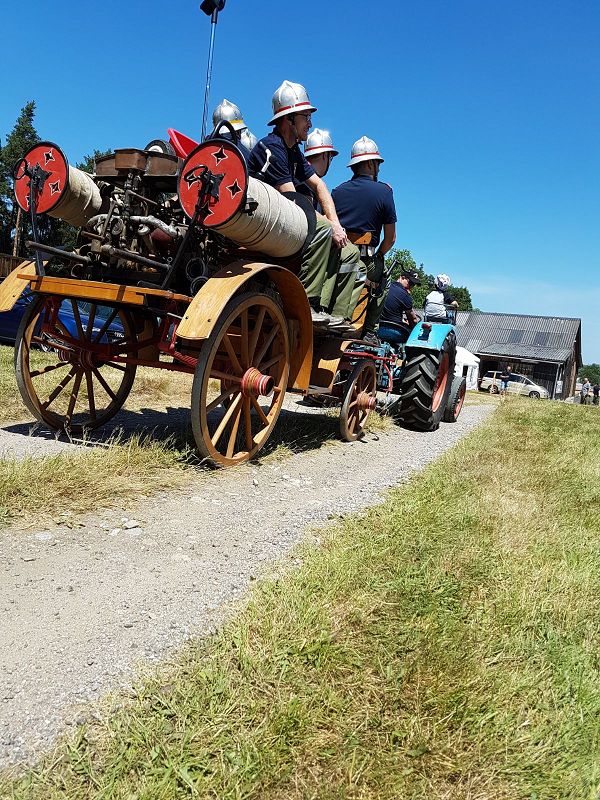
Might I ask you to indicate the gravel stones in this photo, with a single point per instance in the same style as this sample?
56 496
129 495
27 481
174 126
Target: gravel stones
80 617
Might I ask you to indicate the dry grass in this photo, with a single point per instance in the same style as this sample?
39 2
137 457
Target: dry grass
443 646
75 483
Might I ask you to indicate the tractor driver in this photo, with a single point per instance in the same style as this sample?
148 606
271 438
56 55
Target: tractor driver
277 160
345 269
366 206
398 308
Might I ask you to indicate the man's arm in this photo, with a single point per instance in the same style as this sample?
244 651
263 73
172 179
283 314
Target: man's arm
318 186
389 237
411 316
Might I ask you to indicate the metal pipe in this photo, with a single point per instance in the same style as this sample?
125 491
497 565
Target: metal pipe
130 256
213 27
154 222
56 251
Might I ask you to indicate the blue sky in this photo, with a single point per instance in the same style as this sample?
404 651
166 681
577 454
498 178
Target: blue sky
487 114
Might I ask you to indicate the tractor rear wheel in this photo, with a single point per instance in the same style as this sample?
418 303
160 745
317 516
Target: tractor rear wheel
247 356
456 398
426 386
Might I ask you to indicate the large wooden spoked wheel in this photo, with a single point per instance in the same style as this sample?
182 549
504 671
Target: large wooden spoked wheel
360 398
76 384
247 357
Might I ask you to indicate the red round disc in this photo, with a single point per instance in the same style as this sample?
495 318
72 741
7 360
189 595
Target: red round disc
50 158
222 158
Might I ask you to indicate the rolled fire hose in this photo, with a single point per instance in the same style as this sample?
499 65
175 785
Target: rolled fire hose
276 227
245 210
65 192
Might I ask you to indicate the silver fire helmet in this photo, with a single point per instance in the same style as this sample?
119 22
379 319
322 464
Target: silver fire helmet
319 141
290 98
228 112
247 138
364 149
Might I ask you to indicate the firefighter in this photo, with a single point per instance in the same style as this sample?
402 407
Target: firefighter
344 267
229 112
366 206
277 160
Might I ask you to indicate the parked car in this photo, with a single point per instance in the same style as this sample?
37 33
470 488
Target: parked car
10 320
518 384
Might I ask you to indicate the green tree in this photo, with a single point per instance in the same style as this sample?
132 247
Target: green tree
22 137
52 231
399 260
590 371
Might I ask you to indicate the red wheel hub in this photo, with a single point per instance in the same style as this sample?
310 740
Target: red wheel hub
255 384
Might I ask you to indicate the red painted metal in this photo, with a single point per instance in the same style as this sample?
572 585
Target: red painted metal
52 160
223 159
255 384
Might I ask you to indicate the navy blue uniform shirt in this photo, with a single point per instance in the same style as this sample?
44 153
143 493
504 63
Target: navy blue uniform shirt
397 301
273 162
365 206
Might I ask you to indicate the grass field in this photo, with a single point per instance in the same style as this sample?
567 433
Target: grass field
444 645
125 467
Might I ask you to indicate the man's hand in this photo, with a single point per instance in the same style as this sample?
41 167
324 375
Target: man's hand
338 234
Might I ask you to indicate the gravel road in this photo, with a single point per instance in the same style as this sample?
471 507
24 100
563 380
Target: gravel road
82 608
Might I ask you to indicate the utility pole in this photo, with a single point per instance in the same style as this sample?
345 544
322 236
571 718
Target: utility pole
211 8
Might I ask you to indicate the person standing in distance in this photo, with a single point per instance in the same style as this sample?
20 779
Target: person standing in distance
366 206
277 160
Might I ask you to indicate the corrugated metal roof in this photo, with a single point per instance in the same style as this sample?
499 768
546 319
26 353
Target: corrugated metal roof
519 335
525 351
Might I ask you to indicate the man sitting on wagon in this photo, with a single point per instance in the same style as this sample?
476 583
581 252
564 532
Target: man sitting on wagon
277 160
365 207
345 269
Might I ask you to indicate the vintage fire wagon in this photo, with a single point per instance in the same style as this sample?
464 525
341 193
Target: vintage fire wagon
194 262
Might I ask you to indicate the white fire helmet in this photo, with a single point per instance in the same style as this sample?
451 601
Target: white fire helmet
319 141
248 139
290 98
442 281
364 149
229 112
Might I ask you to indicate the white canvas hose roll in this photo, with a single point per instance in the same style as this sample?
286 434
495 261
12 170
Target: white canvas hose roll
81 199
276 227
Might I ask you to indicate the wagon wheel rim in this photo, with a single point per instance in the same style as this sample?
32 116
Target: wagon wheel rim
461 399
248 354
440 382
84 383
360 399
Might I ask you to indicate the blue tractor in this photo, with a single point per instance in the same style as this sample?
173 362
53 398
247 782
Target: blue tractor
415 370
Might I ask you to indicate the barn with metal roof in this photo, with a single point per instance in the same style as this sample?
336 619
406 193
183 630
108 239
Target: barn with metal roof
545 349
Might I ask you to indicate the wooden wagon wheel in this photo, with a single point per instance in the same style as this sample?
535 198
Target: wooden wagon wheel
79 386
360 398
248 352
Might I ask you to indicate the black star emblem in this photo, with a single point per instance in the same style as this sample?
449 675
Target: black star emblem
234 188
220 155
48 156
191 177
55 187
